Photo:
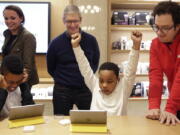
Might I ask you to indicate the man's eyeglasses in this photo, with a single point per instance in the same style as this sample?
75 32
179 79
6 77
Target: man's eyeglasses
163 29
72 21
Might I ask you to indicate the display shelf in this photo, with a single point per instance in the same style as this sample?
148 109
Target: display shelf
144 75
144 98
131 27
120 4
118 31
139 75
127 51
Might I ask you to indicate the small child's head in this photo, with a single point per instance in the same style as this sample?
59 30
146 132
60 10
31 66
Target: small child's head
12 70
108 77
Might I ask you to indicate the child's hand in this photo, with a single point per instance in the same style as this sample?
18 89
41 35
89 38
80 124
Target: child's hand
25 75
3 83
75 39
136 37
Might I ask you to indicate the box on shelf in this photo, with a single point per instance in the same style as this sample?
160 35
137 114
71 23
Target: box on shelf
120 18
142 18
116 45
138 90
126 44
145 45
142 68
138 18
131 20
141 89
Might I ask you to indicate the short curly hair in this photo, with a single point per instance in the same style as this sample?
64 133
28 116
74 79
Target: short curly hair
168 7
110 66
12 64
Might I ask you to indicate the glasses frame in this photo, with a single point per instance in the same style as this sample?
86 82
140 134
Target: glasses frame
162 29
69 22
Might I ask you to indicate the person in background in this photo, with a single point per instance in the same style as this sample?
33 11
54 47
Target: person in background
69 86
165 60
109 92
20 42
11 77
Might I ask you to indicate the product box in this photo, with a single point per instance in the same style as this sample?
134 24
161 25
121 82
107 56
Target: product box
138 90
116 45
142 18
120 18
151 20
131 20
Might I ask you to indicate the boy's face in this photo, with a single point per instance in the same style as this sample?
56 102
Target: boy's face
13 81
107 81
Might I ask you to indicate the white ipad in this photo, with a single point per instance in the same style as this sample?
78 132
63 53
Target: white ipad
17 112
88 117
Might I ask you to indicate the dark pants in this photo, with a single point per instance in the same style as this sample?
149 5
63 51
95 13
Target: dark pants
178 115
64 98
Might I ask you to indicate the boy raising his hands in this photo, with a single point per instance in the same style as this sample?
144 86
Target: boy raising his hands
109 92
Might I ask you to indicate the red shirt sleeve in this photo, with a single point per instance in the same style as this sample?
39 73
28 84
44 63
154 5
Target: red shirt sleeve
155 78
173 103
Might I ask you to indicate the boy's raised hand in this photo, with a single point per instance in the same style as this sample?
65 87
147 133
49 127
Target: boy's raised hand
136 37
75 39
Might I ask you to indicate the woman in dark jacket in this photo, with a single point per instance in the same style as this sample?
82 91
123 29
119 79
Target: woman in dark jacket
20 42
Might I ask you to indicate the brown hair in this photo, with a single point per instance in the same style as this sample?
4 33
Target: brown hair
168 7
17 10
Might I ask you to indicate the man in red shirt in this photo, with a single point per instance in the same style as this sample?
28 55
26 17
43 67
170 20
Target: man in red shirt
165 60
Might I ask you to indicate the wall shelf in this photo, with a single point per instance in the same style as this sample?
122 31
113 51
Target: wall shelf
119 4
127 51
144 98
131 27
139 75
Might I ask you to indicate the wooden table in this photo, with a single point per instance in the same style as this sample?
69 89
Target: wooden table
124 125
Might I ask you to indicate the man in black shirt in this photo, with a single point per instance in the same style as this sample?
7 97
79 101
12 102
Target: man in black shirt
69 85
